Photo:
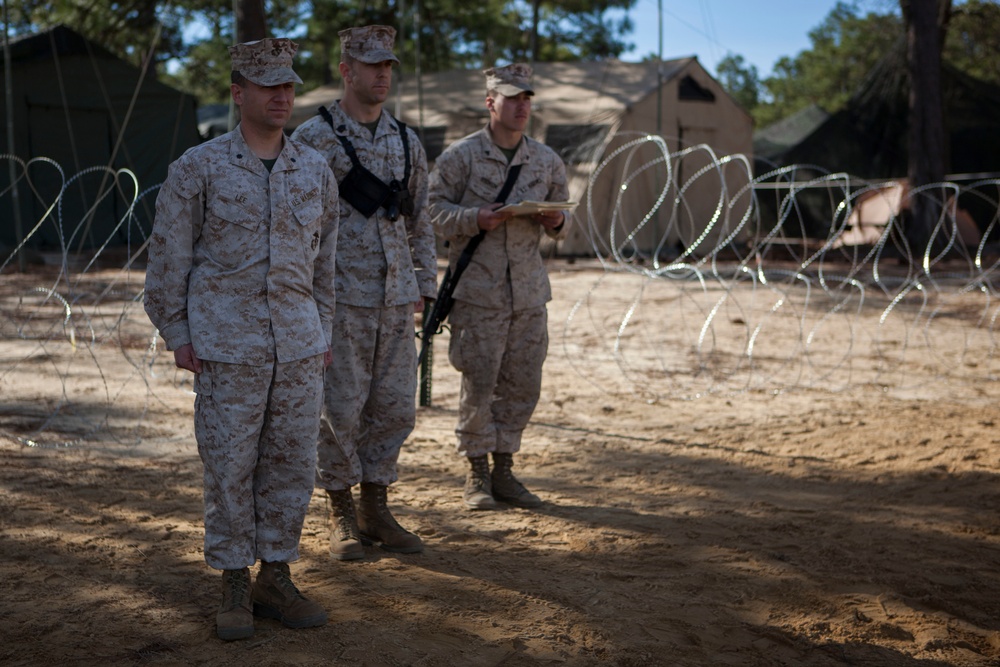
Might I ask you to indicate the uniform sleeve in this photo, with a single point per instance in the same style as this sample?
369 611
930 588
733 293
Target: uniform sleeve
446 190
180 211
419 227
317 133
324 269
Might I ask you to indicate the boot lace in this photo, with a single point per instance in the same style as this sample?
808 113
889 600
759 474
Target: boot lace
343 509
283 580
382 506
480 466
479 476
238 583
504 474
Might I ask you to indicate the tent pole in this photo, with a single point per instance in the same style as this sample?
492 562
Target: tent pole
659 111
659 71
233 120
416 51
9 94
399 77
426 380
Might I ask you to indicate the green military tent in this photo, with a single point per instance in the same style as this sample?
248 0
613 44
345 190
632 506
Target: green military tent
869 136
868 139
80 115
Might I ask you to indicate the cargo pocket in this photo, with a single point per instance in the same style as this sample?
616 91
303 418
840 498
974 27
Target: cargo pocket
203 380
455 348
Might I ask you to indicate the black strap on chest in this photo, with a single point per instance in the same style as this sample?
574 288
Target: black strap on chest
508 185
445 297
365 191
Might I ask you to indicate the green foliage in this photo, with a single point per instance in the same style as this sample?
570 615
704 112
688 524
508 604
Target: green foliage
456 34
580 30
740 80
845 47
973 41
133 29
206 73
451 33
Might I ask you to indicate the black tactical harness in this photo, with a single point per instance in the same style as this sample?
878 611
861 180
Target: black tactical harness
365 191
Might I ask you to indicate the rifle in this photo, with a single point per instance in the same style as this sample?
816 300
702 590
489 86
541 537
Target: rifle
434 321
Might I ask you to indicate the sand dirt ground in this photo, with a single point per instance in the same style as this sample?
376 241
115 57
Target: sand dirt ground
844 510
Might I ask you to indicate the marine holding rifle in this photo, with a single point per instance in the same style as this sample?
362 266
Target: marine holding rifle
386 265
499 328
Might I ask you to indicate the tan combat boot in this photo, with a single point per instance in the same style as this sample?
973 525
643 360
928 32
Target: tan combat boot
377 524
345 539
275 596
478 492
235 617
505 485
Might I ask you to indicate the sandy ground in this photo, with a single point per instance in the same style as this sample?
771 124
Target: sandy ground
831 499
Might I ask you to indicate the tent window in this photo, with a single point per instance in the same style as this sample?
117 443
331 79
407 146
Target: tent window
433 140
576 143
690 90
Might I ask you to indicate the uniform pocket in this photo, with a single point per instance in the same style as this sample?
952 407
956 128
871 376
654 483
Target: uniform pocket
484 189
231 235
231 210
309 212
455 348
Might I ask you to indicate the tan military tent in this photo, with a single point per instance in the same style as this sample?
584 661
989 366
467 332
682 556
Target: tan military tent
605 118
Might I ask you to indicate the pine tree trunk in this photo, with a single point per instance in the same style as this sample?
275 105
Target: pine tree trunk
250 21
926 22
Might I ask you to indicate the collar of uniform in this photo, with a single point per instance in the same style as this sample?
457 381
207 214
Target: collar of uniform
492 150
240 154
352 128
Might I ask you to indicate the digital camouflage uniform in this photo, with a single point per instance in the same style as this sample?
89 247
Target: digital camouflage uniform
241 265
383 268
499 335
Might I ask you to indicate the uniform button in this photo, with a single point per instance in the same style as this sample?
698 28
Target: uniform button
239 156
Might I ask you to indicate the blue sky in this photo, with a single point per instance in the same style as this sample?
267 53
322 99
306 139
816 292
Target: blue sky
760 31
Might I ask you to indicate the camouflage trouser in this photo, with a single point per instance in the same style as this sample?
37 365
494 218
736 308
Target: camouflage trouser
500 355
256 428
370 405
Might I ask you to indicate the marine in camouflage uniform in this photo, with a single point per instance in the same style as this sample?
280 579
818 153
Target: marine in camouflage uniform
240 284
499 334
386 263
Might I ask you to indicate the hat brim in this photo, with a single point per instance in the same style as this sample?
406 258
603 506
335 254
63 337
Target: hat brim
377 56
274 77
512 90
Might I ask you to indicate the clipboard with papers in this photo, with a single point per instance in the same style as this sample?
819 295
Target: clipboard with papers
532 207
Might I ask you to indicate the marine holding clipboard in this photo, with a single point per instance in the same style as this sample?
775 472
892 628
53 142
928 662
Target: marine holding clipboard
499 320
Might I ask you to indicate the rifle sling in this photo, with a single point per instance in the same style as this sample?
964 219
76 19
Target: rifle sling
466 256
444 302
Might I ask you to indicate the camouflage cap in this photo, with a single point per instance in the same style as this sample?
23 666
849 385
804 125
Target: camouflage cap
370 44
510 80
266 62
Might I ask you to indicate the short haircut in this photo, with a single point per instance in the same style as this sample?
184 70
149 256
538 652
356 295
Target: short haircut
237 78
